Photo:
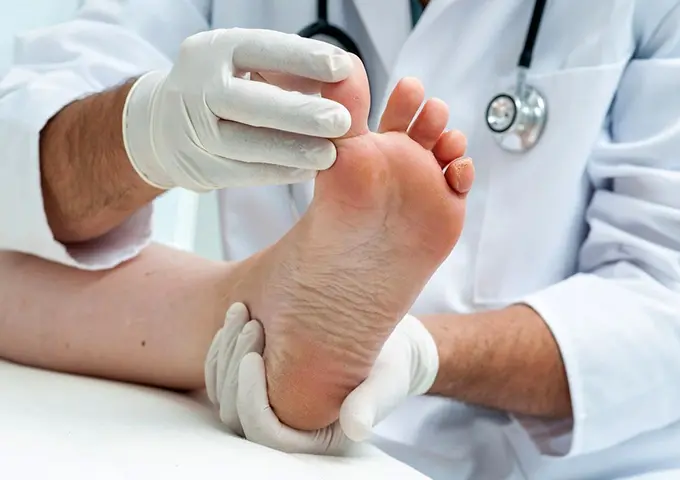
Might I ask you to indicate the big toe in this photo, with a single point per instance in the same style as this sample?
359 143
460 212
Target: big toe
354 94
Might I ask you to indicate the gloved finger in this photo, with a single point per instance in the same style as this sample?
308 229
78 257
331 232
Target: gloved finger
235 319
248 144
251 339
260 423
219 172
385 388
288 82
265 50
210 368
263 105
239 316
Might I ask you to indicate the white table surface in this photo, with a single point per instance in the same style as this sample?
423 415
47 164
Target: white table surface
56 426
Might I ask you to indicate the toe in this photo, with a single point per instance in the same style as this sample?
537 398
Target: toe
430 124
402 106
450 146
354 94
460 175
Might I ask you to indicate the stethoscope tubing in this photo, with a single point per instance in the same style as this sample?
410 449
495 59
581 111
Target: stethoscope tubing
322 27
526 98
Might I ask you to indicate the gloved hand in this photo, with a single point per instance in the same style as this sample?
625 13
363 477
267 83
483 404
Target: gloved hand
231 112
236 384
239 336
407 365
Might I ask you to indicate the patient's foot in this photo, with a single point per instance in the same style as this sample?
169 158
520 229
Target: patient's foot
382 220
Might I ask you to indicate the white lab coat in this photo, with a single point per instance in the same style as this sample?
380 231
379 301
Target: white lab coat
585 228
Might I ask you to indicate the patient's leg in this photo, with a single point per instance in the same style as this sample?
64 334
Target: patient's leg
329 293
149 320
333 279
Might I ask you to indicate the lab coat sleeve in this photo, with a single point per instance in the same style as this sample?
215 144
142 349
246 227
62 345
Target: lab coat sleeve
617 322
106 43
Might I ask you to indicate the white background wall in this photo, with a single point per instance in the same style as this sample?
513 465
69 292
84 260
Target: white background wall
203 238
207 242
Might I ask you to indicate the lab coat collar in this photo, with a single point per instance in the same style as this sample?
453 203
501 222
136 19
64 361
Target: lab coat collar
433 11
389 36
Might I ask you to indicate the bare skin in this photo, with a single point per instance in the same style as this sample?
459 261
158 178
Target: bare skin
382 220
150 320
164 342
502 359
89 186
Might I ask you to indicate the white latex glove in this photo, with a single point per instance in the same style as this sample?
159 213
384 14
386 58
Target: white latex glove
236 384
407 365
239 336
199 126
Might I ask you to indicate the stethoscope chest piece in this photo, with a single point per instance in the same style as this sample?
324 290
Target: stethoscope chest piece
517 120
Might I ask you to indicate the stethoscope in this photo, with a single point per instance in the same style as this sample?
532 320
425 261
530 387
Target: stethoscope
516 119
323 28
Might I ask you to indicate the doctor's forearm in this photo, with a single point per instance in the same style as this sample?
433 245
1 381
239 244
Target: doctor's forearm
89 186
506 360
151 320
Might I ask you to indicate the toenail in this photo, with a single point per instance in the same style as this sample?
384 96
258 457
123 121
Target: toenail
464 176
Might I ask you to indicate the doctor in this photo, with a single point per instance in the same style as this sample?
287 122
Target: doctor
556 317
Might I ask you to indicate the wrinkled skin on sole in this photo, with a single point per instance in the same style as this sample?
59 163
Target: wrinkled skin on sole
382 220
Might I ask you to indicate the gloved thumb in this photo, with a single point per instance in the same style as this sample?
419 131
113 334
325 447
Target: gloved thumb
261 425
386 386
251 339
407 365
